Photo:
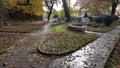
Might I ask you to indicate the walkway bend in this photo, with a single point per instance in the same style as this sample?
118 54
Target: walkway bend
25 55
94 55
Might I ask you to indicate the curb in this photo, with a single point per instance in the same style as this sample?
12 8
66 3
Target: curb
66 53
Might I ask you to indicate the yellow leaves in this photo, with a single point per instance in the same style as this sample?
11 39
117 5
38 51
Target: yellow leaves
35 7
10 3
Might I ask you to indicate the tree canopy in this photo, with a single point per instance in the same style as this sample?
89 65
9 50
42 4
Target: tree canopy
23 7
94 7
103 5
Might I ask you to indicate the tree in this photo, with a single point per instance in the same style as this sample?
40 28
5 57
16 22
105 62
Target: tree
61 13
28 2
113 4
69 4
1 13
24 9
49 4
94 7
66 10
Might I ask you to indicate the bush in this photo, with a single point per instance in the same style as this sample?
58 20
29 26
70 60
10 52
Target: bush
20 15
92 19
114 18
108 20
99 19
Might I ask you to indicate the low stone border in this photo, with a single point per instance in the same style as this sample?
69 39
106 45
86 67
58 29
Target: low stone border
93 56
59 54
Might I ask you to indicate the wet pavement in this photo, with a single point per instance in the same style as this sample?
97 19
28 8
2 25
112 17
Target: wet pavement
94 55
25 55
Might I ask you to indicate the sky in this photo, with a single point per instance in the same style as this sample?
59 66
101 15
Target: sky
59 6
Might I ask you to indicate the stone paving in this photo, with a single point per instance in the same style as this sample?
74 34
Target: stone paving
25 55
94 55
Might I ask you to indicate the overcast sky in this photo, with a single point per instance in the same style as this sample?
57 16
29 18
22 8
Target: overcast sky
59 6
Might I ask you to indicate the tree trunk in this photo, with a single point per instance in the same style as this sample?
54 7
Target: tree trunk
28 2
66 10
114 6
50 12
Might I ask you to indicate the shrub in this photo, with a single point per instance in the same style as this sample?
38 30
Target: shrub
114 18
108 20
92 19
99 19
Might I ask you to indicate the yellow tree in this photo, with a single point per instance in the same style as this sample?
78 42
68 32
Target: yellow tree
31 7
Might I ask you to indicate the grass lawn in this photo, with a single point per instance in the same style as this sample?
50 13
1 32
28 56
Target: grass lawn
114 59
103 29
99 29
23 27
11 34
59 40
115 24
7 40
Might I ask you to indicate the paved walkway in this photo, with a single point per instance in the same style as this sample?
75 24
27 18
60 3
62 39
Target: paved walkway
25 55
94 55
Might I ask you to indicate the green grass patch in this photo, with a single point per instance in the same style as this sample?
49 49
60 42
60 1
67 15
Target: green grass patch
58 40
115 24
99 29
109 64
19 29
57 29
114 59
23 27
103 29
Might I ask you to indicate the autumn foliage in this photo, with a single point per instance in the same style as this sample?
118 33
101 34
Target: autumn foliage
24 8
94 7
